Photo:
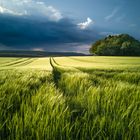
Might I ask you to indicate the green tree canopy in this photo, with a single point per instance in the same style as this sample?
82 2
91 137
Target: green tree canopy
116 45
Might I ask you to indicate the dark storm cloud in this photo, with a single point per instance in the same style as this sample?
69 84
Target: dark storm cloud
26 32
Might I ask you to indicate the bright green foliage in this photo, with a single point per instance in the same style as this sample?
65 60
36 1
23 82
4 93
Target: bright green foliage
31 107
105 104
83 98
117 45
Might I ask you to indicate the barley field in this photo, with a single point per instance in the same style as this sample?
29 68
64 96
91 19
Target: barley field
70 98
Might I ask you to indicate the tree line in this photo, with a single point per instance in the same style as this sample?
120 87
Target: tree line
116 45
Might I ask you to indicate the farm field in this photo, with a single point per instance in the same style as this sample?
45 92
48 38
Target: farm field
70 98
25 63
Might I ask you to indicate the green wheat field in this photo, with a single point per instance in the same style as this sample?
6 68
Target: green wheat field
70 98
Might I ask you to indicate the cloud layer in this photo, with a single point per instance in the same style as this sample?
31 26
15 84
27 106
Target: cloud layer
27 33
33 25
86 24
30 7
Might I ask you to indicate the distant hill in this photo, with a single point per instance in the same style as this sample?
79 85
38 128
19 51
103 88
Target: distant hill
116 45
36 54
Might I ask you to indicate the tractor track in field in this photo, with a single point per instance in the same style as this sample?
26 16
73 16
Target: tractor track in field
10 62
19 62
62 68
26 62
76 109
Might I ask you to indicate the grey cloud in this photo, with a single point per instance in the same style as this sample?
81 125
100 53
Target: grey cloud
28 32
33 25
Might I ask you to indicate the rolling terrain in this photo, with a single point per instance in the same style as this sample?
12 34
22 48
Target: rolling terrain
70 98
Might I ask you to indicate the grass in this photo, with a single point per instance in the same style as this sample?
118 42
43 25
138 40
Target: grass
25 63
101 62
82 98
31 106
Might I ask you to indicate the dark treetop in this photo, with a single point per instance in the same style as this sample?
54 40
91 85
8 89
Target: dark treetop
116 45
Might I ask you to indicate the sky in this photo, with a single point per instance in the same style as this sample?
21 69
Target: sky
65 25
